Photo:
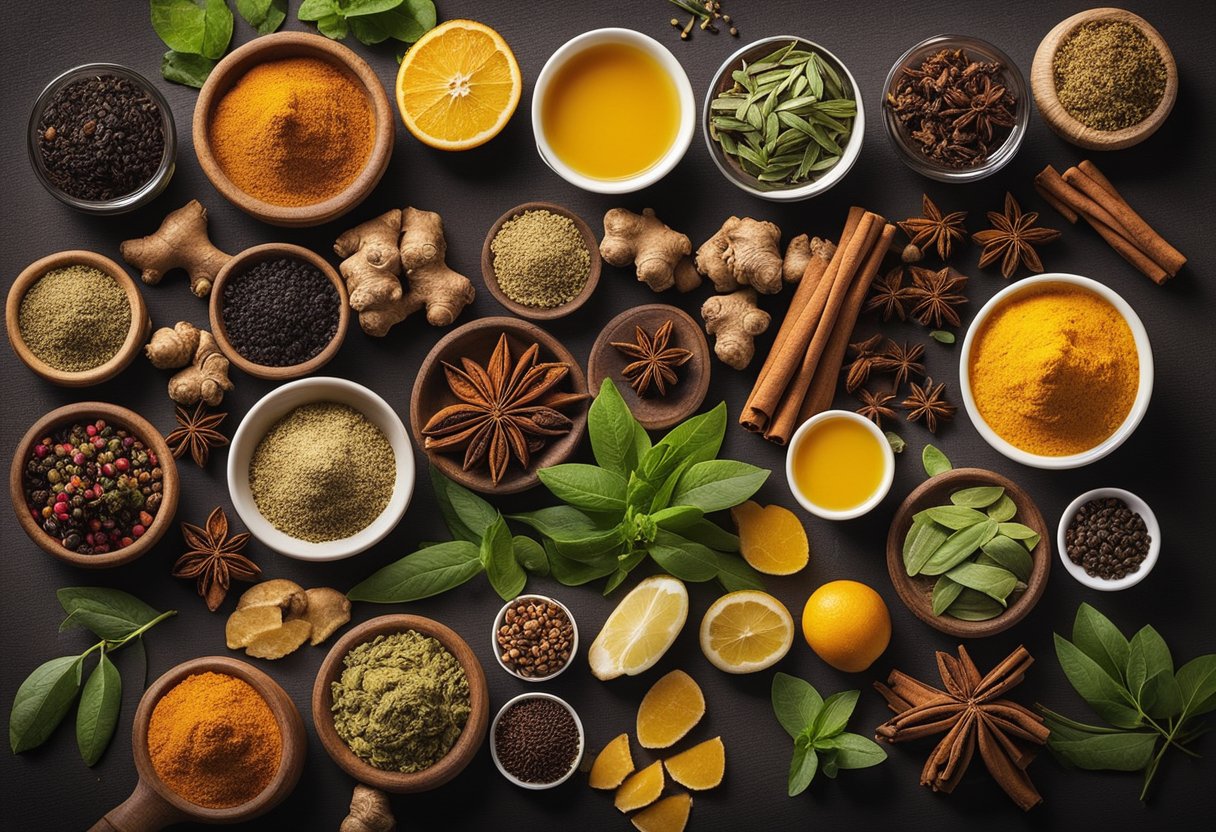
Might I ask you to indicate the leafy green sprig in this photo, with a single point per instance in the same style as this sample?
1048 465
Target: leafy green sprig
370 21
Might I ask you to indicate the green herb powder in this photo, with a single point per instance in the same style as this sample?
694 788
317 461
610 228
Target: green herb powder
540 259
322 472
401 701
75 318
1108 75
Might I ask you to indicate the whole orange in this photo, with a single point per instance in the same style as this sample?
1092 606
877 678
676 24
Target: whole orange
847 624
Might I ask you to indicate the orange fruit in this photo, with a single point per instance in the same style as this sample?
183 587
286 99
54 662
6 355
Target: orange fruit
668 815
669 710
641 789
641 628
612 765
700 767
746 631
847 624
771 538
458 85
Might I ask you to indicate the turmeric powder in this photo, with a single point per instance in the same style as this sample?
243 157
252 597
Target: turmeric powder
293 132
1054 370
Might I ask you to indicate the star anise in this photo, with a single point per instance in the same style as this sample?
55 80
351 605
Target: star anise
933 228
902 360
978 112
656 362
928 402
1012 239
971 714
935 296
867 356
214 558
875 407
197 434
888 295
506 409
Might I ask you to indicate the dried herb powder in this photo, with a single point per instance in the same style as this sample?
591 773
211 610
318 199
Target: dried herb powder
401 701
1109 75
280 312
75 318
540 259
322 472
536 740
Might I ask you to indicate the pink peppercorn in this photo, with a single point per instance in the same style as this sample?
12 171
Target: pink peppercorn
137 530
122 463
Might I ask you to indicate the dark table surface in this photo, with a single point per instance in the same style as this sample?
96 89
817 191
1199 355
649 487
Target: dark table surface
1169 461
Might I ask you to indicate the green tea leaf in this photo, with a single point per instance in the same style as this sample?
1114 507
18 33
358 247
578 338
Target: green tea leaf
265 16
587 487
958 547
1003 509
855 751
895 441
42 702
697 439
425 573
185 68
530 555
1011 555
559 523
1197 684
1108 699
97 715
683 558
924 538
945 593
981 496
993 581
1099 639
498 556
110 614
942 336
974 606
802 768
735 574
834 716
796 703
466 515
617 440
1027 536
935 461
718 484
1129 751
953 517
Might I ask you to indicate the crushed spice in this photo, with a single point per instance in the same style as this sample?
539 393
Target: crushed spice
1109 75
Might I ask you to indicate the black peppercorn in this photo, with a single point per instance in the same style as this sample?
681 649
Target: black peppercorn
280 312
537 740
1107 539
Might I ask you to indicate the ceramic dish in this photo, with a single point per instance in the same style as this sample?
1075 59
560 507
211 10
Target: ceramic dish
115 415
776 192
1143 393
1150 522
278 403
917 592
137 333
467 744
246 260
578 755
888 473
499 620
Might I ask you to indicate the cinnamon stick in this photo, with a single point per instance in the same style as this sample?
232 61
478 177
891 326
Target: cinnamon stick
1063 210
1089 180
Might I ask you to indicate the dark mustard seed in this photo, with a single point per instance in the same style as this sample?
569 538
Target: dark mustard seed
281 312
537 740
1107 539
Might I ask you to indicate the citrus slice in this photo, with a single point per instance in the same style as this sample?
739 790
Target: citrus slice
641 789
700 767
458 85
668 815
746 631
641 628
669 710
612 765
771 538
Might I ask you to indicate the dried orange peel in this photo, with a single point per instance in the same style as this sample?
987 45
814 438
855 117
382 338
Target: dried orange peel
772 538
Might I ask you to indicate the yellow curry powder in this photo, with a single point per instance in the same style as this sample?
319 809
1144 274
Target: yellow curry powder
1054 370
293 132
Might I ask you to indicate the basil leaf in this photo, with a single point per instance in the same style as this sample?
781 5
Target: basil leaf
735 574
185 68
265 16
42 702
187 27
958 547
828 764
796 703
406 22
855 751
802 769
355 8
1027 536
924 538
592 546
974 606
1003 509
1197 682
935 461
993 581
945 593
712 535
97 715
1108 699
1099 639
952 517
530 555
627 564
662 495
425 573
466 515
587 487
718 484
1126 751
570 572
333 26
676 518
1009 554
498 556
835 713
313 10
615 433
655 467
697 439
559 522
110 614
683 558
1147 656
981 496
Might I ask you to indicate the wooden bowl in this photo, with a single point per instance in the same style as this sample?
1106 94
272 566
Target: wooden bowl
654 412
467 744
916 592
153 805
246 260
137 334
1043 85
476 340
294 45
534 312
115 415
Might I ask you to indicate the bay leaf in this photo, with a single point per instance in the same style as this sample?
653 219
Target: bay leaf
1011 555
980 496
953 517
1003 509
974 606
923 539
993 581
958 547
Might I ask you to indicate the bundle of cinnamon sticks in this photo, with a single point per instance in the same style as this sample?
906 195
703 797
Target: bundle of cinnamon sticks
1083 191
799 376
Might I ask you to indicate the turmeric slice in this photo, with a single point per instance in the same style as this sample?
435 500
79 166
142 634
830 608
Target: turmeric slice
700 767
669 710
641 789
771 538
668 815
612 765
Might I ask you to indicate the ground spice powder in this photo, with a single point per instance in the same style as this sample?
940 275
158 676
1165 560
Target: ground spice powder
540 259
1109 75
75 318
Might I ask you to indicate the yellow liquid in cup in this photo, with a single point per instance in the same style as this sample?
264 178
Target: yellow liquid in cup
838 464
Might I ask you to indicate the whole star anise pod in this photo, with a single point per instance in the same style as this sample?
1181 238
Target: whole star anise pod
902 360
928 403
507 409
214 558
933 228
875 407
656 362
197 433
978 112
1012 239
935 295
888 295
866 356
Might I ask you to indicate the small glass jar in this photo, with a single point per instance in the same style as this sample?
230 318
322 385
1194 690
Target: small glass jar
137 198
979 50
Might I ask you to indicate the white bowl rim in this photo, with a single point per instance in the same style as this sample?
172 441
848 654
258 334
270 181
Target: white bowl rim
1137 505
888 474
1144 390
688 110
320 388
852 149
502 611
578 756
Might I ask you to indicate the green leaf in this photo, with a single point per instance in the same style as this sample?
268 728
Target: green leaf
1197 683
958 547
735 574
498 556
828 764
802 769
663 494
935 461
593 546
924 538
1108 699
559 523
265 16
1009 554
796 703
97 715
466 515
683 558
1147 656
187 69
718 484
945 593
712 535
355 8
530 555
625 565
1160 697
981 496
334 26
697 439
425 573
1003 509
1027 536
42 702
1096 637
942 336
952 517
834 716
677 518
974 606
855 751
587 487
617 440
183 24
993 581
1130 751
896 441
570 572
110 614
313 10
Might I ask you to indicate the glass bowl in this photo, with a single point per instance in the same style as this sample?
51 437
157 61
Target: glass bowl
977 49
127 202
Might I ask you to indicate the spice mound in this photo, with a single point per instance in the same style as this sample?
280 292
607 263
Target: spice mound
94 487
535 637
1107 539
537 740
322 472
1055 370
214 740
293 132
401 701
75 318
101 138
1109 75
540 259
280 312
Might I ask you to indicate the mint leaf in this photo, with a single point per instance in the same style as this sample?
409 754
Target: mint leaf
796 703
855 751
802 768
834 715
426 572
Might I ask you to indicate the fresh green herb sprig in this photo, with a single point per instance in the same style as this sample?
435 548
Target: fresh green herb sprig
817 728
1131 685
47 694
198 32
370 21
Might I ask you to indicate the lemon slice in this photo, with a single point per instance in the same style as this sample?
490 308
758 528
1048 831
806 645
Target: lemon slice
747 631
641 628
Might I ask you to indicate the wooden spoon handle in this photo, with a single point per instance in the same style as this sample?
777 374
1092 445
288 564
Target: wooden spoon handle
143 811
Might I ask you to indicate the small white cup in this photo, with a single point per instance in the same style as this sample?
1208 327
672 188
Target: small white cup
1150 523
888 470
578 755
498 622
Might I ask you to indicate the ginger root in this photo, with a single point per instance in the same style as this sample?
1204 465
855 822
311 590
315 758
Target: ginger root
735 321
661 255
797 258
369 812
444 293
206 377
743 252
172 348
274 618
180 242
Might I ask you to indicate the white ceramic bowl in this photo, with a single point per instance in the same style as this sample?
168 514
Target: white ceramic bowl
1144 391
498 621
688 111
1150 522
578 755
888 470
278 403
782 193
